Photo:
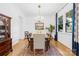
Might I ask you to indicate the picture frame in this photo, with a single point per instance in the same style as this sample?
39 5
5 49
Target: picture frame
39 26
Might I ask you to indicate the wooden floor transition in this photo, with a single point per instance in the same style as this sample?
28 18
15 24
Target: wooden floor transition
18 47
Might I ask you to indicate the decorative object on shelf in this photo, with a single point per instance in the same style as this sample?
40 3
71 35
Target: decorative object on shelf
5 35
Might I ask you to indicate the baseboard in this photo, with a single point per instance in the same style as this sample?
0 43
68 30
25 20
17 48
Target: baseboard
68 49
64 45
14 43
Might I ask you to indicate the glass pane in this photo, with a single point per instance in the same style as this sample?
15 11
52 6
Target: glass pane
60 23
69 21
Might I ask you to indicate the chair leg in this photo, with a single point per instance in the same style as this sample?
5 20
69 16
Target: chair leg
34 52
44 52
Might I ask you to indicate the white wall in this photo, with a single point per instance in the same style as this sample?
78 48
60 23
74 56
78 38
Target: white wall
19 21
12 11
29 22
53 21
64 37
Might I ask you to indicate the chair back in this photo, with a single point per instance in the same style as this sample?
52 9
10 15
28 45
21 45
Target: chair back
39 41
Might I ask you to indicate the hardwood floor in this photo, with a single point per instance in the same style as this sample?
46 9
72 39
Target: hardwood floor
19 47
65 51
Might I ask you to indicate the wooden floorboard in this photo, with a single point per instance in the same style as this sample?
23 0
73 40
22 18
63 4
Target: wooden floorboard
65 51
18 48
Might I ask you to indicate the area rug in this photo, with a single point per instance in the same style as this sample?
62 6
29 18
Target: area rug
52 51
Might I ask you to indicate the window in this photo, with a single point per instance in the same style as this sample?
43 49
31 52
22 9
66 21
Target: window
69 21
60 23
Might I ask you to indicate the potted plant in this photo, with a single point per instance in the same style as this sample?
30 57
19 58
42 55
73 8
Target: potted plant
51 29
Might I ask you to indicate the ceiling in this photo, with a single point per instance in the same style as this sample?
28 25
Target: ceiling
46 9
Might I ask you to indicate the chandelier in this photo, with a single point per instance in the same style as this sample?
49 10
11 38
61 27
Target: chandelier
39 6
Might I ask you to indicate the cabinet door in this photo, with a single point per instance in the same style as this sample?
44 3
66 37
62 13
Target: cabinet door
5 25
2 29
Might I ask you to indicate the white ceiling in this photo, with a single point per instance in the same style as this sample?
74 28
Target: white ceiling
31 9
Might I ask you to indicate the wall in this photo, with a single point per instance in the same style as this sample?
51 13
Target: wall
52 21
19 21
29 22
12 11
64 37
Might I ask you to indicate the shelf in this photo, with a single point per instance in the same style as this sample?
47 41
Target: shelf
5 39
2 27
2 33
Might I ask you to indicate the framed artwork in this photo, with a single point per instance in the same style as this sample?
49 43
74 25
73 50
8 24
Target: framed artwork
39 26
69 21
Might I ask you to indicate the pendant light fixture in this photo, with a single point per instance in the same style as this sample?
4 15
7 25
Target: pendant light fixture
39 6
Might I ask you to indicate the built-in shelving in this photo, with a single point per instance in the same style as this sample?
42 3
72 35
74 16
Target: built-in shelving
5 35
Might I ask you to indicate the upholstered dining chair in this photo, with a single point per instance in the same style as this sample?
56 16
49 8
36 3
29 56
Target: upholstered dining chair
39 42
